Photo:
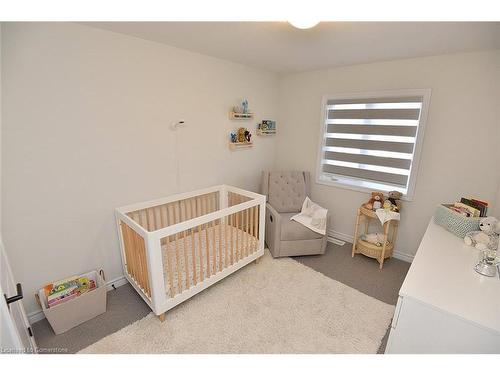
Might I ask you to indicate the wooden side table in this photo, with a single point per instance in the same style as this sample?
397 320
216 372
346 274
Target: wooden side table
371 250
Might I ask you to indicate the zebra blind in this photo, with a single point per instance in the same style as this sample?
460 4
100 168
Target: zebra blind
371 141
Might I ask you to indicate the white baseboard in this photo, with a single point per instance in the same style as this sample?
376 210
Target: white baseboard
119 281
403 256
340 236
35 316
38 315
350 238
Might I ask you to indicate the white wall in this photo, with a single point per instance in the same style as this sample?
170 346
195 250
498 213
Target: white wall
86 129
459 156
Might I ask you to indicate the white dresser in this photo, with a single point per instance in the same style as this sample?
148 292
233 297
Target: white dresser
444 306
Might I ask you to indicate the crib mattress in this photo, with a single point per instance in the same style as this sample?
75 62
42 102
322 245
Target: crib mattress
213 243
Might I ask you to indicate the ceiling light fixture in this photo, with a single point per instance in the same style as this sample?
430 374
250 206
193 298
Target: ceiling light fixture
303 23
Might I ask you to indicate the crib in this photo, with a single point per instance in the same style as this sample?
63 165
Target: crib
175 247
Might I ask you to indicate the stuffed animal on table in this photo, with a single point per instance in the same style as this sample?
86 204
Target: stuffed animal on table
374 238
375 202
388 206
394 197
487 236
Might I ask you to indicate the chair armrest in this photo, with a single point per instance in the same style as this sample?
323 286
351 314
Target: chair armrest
273 229
273 215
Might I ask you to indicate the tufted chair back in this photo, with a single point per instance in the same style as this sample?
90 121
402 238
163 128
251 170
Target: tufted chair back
286 191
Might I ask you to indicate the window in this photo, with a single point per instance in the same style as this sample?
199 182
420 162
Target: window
372 141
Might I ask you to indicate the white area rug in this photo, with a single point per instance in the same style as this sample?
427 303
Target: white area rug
276 306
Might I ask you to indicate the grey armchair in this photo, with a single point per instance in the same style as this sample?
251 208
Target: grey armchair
285 192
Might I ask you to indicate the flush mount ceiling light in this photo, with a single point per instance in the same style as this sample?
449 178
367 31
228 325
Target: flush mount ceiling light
303 23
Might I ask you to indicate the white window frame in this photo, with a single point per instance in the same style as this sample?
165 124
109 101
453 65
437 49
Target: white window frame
357 184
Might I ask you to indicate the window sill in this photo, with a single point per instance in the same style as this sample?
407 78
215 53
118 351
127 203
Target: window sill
360 185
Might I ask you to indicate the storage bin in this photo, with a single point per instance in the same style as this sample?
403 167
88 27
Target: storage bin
455 223
69 314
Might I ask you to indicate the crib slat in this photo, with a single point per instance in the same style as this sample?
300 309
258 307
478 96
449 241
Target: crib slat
178 263
226 244
238 254
163 215
204 204
133 261
135 216
187 205
130 234
134 256
193 207
169 269
220 244
243 237
255 227
183 210
139 255
185 215
251 230
140 267
143 219
214 251
157 213
231 221
193 255
210 229
169 221
135 253
152 219
200 254
207 244
192 214
175 219
257 216
247 232
144 270
127 245
186 258
149 219
242 213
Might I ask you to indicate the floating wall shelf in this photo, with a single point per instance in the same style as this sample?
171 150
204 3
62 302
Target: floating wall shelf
240 145
240 116
265 133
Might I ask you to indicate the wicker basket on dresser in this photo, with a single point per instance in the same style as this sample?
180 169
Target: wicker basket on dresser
380 253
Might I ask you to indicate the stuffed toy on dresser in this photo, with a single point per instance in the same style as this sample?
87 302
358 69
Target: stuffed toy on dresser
487 236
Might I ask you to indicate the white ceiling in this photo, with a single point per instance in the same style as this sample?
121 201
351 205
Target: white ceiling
279 47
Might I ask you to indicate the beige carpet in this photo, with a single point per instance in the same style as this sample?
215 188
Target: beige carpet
276 306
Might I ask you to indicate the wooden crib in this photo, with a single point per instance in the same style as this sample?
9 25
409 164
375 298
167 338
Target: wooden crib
174 247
